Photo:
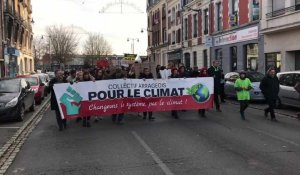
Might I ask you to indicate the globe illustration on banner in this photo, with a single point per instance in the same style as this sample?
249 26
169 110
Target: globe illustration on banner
199 92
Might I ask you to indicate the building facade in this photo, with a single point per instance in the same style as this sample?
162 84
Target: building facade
2 67
195 30
18 37
234 26
280 26
157 31
174 32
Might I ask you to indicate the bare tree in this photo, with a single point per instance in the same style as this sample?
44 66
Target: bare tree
63 42
40 48
97 45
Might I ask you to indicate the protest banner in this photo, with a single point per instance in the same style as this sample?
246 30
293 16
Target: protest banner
107 97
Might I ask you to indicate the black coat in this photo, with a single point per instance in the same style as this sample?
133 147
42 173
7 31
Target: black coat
144 76
217 75
270 87
53 101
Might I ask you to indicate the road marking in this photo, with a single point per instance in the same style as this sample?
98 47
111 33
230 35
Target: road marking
274 136
163 166
9 127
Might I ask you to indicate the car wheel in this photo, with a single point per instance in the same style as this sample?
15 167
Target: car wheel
21 113
32 106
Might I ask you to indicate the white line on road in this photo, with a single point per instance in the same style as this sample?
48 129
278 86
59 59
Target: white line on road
275 137
9 127
163 166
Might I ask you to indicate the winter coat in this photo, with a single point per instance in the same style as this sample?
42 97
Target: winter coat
270 87
53 101
216 74
144 76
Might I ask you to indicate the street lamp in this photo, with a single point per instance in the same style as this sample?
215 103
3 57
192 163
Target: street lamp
148 30
132 43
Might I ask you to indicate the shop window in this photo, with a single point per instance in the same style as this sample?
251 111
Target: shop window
273 60
233 56
252 57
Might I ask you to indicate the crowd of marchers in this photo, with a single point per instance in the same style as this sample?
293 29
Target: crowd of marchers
269 87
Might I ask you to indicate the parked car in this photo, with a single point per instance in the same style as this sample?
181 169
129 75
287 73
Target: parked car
288 94
16 96
45 80
37 85
255 78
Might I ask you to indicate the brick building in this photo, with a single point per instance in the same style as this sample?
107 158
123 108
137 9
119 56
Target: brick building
234 25
157 31
195 31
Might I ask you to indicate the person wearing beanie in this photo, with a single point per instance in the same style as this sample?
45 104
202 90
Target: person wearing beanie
243 86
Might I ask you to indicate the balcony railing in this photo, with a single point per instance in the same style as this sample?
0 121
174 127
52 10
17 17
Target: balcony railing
283 11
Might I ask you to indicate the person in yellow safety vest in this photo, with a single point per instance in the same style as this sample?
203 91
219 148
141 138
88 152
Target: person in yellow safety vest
243 86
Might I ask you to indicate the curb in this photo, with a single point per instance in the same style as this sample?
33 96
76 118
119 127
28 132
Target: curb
10 150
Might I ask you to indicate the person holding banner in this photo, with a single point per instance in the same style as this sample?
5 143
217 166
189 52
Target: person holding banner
243 86
174 74
215 72
87 77
147 75
99 76
203 73
59 78
117 74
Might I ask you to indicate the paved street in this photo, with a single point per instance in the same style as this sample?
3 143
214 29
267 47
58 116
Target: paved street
9 128
218 144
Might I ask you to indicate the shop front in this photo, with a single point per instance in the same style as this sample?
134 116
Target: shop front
239 50
11 61
175 57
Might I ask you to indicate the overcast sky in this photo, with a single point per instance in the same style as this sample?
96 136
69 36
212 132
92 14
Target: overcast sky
84 16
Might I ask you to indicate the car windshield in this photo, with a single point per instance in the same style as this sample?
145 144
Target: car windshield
10 86
33 81
255 76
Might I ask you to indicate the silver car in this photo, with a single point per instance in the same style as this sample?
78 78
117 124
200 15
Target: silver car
255 78
288 94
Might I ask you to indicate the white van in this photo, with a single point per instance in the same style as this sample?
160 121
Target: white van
288 94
